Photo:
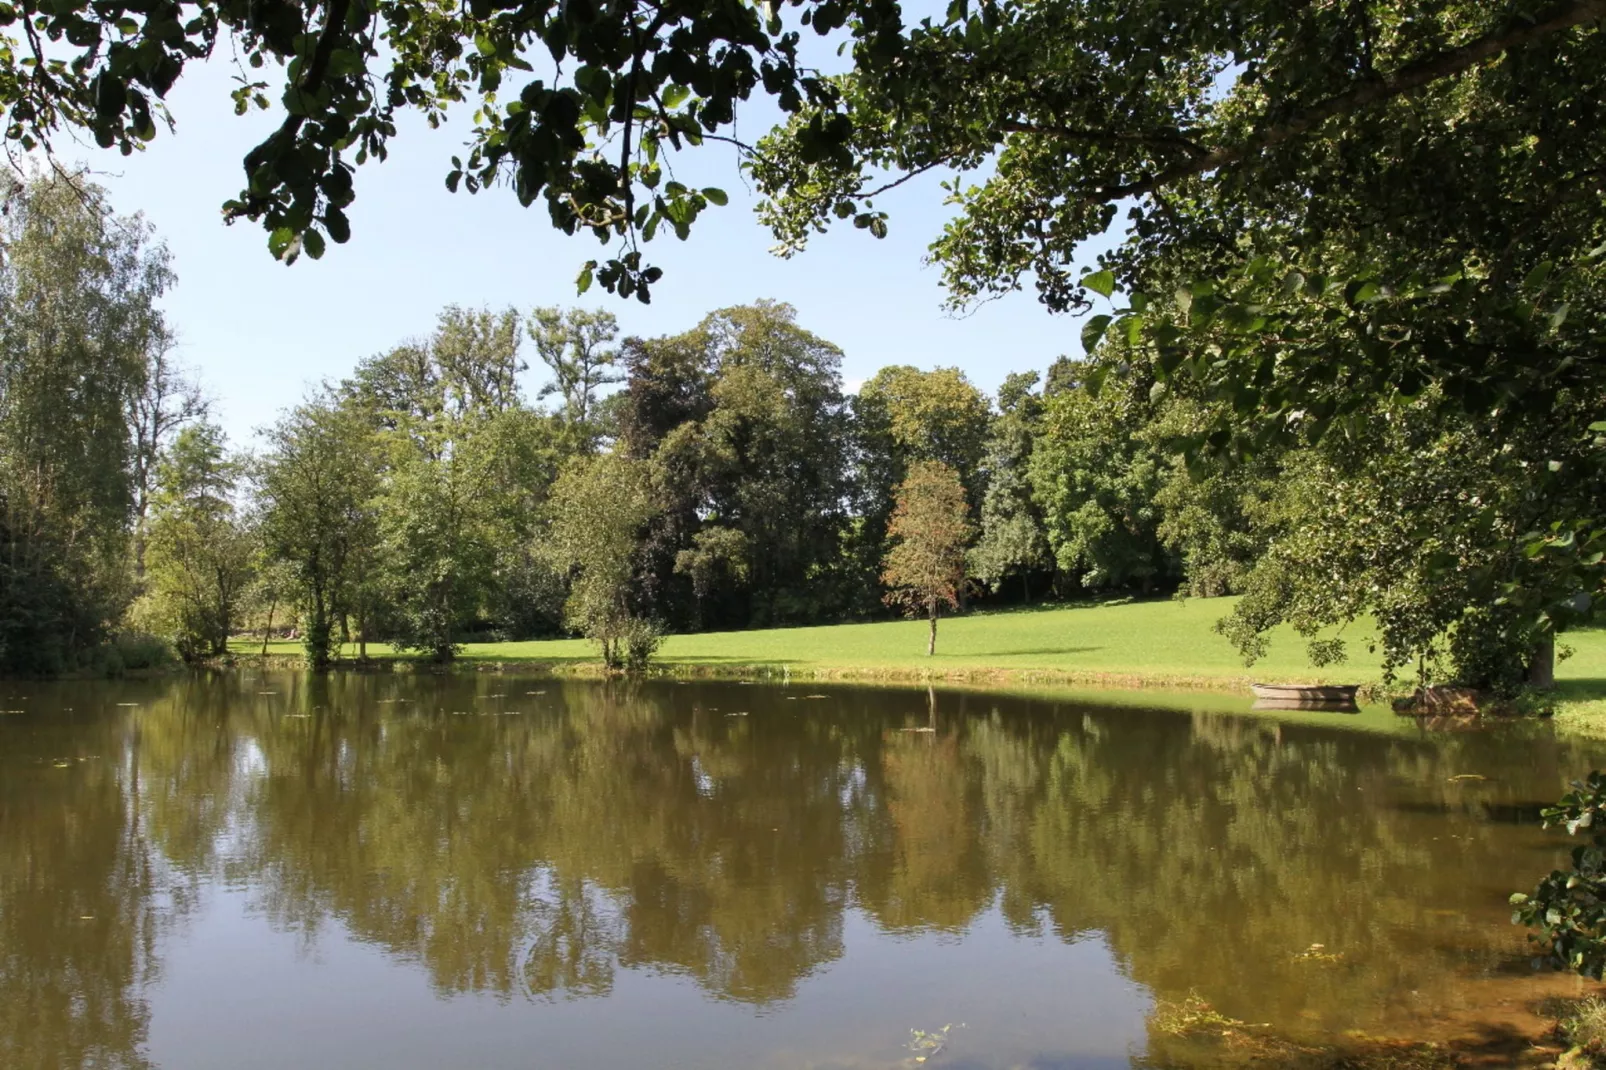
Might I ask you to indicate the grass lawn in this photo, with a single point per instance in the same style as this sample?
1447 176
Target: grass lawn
1130 644
1159 640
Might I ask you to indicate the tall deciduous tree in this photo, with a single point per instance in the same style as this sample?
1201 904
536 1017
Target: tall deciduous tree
464 467
1426 522
316 490
598 513
78 292
930 529
170 400
1095 477
436 528
1012 541
577 346
201 553
902 415
745 420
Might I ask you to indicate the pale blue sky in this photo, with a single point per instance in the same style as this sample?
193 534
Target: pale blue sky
260 333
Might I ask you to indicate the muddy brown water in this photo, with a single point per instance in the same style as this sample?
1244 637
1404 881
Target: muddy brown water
403 872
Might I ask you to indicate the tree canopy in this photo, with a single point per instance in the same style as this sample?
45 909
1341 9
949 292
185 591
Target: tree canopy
1418 119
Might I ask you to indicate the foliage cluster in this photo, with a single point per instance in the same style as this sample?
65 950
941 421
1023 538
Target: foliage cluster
1567 911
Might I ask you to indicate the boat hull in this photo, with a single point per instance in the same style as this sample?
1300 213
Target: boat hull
1305 696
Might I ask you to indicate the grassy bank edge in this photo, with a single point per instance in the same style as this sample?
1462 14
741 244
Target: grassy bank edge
773 671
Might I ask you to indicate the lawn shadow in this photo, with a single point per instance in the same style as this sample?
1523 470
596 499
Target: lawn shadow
1585 689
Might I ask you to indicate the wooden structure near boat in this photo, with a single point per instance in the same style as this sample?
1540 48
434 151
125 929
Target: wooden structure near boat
1335 697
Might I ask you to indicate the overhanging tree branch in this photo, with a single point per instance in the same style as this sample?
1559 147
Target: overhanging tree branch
1408 79
1167 139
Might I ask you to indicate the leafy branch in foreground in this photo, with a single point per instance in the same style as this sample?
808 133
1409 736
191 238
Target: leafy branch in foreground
1568 909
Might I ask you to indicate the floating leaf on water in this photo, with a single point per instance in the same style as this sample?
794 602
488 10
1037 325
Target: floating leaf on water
535 692
267 692
927 1044
128 704
742 713
1468 776
1318 953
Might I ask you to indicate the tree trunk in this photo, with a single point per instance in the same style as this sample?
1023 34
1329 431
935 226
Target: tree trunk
273 604
1542 667
1026 586
931 644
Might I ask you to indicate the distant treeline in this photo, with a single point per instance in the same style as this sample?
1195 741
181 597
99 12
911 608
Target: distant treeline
717 479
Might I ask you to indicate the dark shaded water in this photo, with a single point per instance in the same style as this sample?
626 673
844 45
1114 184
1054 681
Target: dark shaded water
408 872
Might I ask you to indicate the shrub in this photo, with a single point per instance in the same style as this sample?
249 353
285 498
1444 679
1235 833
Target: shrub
132 651
641 639
1568 909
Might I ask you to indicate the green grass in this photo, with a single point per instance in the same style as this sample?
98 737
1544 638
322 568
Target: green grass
1155 644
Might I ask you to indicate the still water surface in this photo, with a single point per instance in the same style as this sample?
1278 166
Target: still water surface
409 872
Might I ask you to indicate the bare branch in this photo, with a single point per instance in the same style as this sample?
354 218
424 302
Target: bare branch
907 175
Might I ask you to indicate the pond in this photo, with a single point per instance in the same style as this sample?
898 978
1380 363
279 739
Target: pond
409 871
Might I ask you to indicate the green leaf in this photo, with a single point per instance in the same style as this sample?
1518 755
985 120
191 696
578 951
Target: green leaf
716 196
279 241
1093 331
335 222
583 282
1360 291
1100 282
312 242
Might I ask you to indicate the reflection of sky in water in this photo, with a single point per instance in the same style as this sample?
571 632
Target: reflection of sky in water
339 1003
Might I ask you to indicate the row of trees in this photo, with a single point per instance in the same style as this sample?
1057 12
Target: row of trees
729 483
723 478
425 497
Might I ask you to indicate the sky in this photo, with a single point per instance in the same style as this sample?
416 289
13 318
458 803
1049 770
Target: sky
261 334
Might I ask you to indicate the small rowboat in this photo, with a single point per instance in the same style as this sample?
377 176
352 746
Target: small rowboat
1305 696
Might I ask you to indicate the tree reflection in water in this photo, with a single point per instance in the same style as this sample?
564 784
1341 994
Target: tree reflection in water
535 845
